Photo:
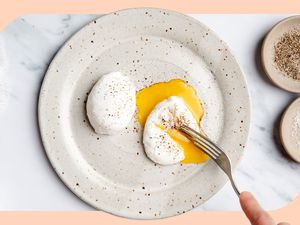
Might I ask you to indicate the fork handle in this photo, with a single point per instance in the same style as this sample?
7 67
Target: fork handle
234 185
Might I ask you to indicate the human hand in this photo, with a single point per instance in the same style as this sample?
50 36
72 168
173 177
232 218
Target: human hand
254 212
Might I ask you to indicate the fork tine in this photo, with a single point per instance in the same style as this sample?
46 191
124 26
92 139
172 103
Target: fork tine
204 146
204 149
211 144
203 138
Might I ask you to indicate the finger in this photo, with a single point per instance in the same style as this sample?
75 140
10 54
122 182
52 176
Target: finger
253 210
283 223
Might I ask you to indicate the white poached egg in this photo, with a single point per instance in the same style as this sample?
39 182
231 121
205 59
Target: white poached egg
111 103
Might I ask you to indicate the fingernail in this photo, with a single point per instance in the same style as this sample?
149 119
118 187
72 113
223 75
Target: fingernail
246 194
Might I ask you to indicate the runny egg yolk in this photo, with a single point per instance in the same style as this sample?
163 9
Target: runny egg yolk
149 97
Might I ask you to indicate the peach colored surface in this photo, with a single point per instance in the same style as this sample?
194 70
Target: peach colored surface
289 213
14 8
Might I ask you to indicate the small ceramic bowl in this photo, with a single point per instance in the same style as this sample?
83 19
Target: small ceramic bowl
275 75
288 139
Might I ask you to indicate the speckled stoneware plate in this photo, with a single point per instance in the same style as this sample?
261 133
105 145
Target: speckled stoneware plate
268 51
112 173
288 137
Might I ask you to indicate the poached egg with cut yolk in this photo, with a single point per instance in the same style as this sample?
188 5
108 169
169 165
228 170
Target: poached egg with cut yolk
161 109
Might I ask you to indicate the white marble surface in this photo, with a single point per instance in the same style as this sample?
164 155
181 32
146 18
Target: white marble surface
3 71
27 179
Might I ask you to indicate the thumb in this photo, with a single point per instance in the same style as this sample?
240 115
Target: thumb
253 210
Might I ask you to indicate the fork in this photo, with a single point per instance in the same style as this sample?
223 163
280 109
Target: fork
213 151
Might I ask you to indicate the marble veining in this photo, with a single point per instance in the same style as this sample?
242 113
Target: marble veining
28 181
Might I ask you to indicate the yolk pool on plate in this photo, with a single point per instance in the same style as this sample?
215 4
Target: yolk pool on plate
148 98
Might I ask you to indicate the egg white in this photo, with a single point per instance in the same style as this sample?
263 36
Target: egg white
159 146
111 103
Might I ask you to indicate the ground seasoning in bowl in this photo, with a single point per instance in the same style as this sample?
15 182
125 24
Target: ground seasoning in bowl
287 54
